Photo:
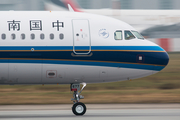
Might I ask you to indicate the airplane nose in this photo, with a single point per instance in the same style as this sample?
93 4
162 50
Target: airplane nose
161 60
164 58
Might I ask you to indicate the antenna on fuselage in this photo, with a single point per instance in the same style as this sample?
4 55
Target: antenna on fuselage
70 8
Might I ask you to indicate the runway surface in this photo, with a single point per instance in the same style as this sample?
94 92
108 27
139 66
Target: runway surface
168 112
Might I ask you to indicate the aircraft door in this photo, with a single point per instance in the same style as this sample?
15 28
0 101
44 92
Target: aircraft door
81 35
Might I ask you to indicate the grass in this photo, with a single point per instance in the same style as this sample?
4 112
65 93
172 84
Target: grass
163 87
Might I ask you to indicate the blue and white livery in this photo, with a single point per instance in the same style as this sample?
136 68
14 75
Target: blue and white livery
73 48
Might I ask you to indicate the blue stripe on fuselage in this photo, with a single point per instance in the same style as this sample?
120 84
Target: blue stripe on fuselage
150 48
108 58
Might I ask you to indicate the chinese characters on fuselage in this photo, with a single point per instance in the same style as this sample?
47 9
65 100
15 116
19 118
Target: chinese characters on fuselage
13 25
58 24
34 25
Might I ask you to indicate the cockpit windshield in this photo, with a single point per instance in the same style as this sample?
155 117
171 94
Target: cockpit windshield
138 35
128 35
118 35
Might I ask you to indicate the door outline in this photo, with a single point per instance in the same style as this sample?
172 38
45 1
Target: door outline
74 38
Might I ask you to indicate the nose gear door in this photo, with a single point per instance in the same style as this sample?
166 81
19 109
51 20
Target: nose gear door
81 35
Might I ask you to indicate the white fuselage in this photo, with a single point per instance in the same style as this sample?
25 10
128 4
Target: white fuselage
69 47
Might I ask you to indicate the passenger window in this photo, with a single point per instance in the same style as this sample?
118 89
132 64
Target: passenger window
51 36
3 36
118 35
23 36
61 36
13 36
42 36
128 35
32 36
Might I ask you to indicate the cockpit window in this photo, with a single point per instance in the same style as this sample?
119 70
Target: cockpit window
139 36
128 35
118 35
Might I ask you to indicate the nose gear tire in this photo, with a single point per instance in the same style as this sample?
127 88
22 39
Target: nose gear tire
79 108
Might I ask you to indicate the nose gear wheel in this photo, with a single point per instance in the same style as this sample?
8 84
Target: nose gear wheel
79 108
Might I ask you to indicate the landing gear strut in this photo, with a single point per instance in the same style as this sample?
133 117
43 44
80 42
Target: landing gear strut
78 107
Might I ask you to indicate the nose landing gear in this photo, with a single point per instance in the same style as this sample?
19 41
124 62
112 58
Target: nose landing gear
78 107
